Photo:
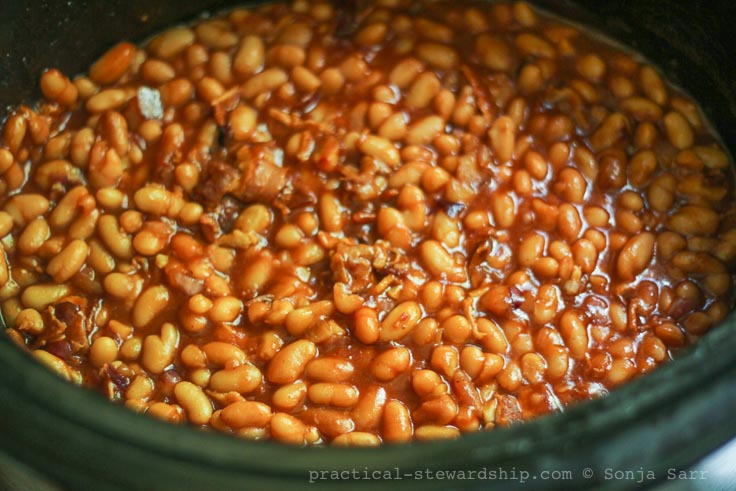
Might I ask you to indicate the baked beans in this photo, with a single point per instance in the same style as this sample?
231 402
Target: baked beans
317 225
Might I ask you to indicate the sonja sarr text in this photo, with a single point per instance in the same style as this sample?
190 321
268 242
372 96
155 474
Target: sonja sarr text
521 476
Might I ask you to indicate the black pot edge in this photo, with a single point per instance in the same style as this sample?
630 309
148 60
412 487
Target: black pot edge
629 429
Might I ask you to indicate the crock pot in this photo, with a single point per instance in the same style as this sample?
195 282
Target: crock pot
655 426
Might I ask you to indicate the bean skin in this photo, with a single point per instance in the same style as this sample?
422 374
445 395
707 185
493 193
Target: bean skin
439 262
398 426
290 362
246 413
196 404
400 321
635 255
113 64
